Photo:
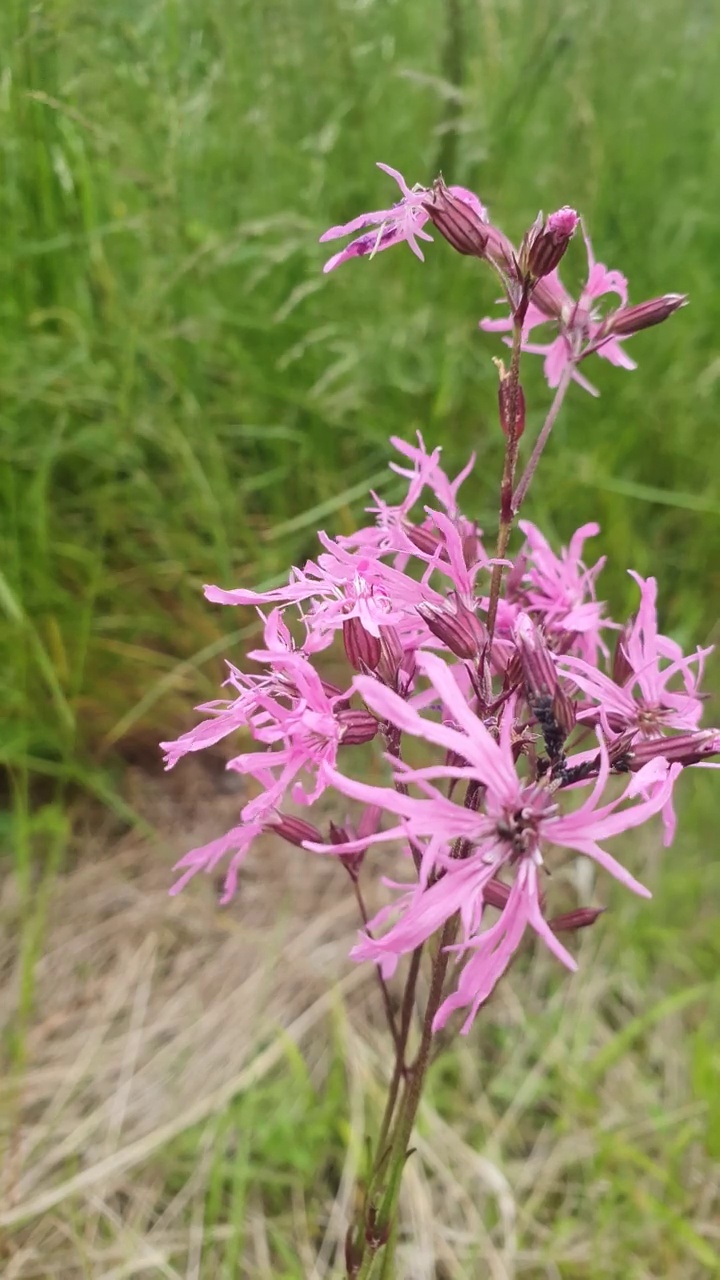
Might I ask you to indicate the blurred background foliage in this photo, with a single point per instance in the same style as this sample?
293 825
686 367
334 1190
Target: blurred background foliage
186 398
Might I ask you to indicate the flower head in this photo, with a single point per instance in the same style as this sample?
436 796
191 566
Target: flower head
403 222
580 323
504 837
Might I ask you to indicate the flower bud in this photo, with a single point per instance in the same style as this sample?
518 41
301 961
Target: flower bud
471 547
362 648
456 220
391 656
681 748
548 300
621 666
356 727
457 626
496 894
581 918
629 320
552 707
295 830
505 407
352 862
425 539
545 243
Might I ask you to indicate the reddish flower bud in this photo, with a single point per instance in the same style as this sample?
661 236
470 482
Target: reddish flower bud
621 666
547 300
581 918
362 648
471 548
545 243
502 253
629 320
295 830
505 406
496 894
457 221
356 727
682 748
367 826
457 626
426 540
391 656
552 707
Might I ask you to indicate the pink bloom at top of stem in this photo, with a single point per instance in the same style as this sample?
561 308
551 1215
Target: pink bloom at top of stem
649 661
579 322
403 222
563 222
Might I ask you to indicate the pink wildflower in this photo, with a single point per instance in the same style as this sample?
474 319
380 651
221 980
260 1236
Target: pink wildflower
641 700
465 848
580 323
403 222
559 591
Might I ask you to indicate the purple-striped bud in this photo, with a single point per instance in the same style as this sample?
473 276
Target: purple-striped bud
548 300
471 547
356 727
457 626
682 748
500 250
456 220
425 539
352 862
391 656
548 700
545 243
621 666
629 320
367 826
295 830
362 648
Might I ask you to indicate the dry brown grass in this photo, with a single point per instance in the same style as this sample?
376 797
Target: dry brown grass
152 1014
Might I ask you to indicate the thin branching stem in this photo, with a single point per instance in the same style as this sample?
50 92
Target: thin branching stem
521 492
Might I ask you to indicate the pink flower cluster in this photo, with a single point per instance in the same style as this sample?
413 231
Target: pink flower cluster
583 326
561 731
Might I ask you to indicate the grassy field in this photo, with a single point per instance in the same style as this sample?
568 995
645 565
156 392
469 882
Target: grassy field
186 398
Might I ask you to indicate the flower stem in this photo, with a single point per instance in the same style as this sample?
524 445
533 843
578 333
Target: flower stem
508 477
521 492
375 1264
400 1068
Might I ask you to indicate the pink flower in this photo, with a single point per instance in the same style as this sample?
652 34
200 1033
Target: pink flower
580 323
465 847
559 590
646 663
206 858
403 222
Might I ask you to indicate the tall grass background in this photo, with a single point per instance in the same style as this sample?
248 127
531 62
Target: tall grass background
186 398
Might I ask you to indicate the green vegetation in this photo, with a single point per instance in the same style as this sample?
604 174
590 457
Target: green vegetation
185 398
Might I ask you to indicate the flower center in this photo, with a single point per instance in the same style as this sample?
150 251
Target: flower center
520 828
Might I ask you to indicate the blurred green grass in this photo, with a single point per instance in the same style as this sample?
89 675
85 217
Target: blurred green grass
178 378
